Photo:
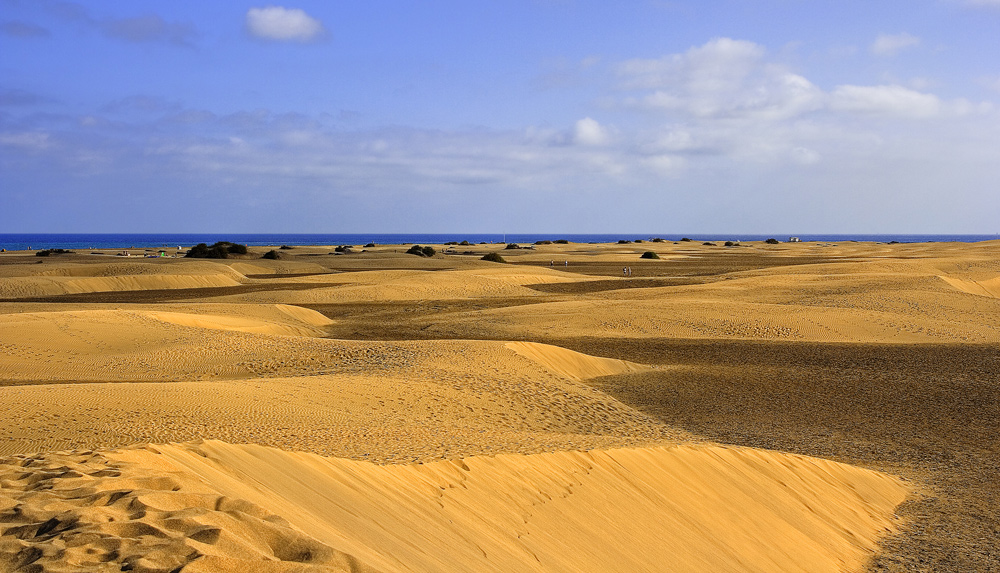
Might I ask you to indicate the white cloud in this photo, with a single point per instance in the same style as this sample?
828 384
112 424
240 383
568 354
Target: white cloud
32 141
283 24
805 156
588 132
890 100
892 44
723 78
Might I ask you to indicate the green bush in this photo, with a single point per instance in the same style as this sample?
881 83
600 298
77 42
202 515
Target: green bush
729 244
427 251
771 241
686 240
623 241
272 254
649 255
512 246
452 243
464 243
369 245
493 258
543 242
657 240
220 250
709 244
48 252
285 247
561 242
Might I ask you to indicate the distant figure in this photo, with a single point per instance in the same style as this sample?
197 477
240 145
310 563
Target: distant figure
566 263
551 263
624 271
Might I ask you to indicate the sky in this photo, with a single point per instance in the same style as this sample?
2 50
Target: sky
518 116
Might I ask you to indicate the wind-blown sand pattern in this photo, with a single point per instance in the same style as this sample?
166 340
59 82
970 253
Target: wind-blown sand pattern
222 507
304 414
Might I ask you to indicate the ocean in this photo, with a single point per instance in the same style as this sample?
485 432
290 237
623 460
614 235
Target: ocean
37 241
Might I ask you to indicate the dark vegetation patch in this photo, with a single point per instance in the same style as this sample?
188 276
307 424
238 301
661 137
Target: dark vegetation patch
219 250
47 252
426 251
493 258
649 255
272 255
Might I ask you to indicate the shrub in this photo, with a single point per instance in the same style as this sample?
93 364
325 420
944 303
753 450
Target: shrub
220 250
729 244
342 249
708 244
285 247
561 242
771 241
427 251
493 258
649 255
623 241
464 243
686 240
369 245
452 243
543 242
48 252
272 254
639 241
512 246
657 240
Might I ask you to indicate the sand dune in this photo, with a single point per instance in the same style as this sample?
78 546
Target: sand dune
223 507
572 365
985 287
492 429
499 281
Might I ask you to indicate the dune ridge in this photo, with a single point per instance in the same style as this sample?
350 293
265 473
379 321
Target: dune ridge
215 506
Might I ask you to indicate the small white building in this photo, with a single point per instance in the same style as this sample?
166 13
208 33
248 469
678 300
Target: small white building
794 240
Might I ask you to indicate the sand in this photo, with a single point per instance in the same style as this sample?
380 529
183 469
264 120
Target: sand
220 507
384 376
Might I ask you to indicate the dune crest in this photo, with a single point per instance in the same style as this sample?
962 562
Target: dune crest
988 287
573 365
218 506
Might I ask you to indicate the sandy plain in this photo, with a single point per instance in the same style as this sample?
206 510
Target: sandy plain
792 407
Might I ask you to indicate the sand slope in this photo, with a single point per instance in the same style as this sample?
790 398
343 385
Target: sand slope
222 507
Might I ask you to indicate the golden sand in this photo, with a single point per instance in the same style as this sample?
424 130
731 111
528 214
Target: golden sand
99 354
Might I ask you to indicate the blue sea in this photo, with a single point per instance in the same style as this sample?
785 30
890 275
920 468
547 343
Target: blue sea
35 241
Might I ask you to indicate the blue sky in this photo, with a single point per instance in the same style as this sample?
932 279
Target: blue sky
519 116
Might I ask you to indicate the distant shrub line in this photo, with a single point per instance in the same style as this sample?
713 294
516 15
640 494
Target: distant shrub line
220 250
48 252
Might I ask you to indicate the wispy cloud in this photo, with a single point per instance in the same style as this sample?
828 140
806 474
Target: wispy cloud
18 29
277 23
149 28
892 44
